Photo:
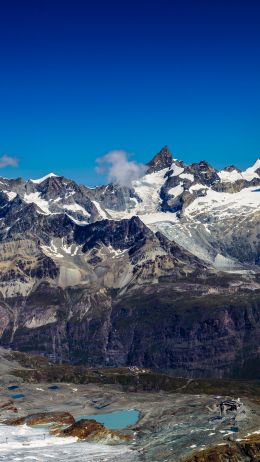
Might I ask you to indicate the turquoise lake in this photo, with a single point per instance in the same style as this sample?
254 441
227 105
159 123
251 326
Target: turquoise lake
116 420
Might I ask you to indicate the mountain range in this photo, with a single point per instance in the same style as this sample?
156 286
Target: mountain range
161 273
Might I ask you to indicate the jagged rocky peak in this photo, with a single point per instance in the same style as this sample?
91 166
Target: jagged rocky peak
121 234
58 186
204 173
161 160
232 168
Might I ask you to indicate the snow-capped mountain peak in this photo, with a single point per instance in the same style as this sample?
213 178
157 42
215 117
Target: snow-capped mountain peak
212 214
40 180
252 172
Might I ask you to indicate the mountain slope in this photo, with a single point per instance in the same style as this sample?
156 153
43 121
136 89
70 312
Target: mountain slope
161 273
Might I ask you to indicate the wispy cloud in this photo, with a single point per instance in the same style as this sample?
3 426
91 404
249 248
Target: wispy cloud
119 169
8 161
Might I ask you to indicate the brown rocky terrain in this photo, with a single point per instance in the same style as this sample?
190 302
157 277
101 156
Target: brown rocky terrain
244 450
41 418
92 430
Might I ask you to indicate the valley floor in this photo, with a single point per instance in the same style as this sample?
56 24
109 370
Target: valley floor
177 419
171 425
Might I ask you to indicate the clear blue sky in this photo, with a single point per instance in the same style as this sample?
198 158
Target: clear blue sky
79 78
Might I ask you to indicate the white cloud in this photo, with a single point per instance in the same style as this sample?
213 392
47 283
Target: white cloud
119 169
8 161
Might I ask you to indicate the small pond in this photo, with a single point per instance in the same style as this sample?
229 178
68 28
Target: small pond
116 420
17 396
13 387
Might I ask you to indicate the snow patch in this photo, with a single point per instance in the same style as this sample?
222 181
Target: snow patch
101 212
51 250
230 177
187 176
176 191
35 198
10 194
76 208
78 222
197 187
177 170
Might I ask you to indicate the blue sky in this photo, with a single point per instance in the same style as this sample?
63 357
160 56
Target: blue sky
81 78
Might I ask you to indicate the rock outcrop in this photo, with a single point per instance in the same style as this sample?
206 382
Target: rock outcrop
8 405
160 161
91 430
42 418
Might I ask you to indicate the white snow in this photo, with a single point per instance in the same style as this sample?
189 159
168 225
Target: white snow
148 189
67 249
176 191
222 204
51 250
116 252
197 187
101 212
250 173
78 222
76 208
36 444
40 180
59 249
158 217
10 194
69 193
230 177
177 170
187 176
35 198
71 249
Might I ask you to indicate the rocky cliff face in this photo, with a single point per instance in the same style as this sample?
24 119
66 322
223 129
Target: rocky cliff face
186 328
163 273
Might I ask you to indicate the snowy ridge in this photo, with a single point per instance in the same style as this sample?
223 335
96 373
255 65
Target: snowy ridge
212 214
220 204
40 180
231 176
